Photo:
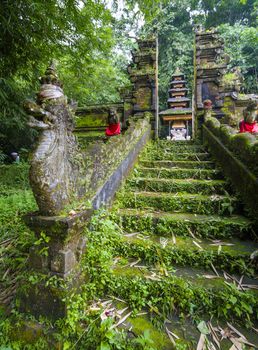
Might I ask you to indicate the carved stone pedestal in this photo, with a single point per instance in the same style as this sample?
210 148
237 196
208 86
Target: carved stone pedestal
58 255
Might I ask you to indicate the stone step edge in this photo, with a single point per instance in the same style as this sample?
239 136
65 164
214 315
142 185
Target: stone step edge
183 195
189 181
189 217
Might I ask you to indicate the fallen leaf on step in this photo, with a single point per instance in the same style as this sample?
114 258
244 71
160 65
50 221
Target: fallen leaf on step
221 243
163 242
170 337
201 342
237 345
135 262
131 234
214 334
121 321
213 267
153 277
249 286
210 276
254 255
120 312
197 245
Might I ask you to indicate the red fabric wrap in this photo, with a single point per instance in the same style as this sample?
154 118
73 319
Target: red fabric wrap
246 127
113 129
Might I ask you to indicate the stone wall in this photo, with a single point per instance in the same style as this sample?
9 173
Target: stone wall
237 154
105 159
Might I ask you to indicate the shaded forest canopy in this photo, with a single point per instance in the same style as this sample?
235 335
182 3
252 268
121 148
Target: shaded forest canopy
91 40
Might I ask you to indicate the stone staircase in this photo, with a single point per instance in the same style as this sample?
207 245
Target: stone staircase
186 240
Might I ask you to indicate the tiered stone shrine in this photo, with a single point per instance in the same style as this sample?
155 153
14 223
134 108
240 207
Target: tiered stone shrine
214 82
210 67
142 74
179 113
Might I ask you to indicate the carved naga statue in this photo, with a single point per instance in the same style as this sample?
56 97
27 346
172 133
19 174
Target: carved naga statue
54 170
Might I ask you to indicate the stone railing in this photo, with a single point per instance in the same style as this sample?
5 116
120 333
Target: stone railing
107 164
237 154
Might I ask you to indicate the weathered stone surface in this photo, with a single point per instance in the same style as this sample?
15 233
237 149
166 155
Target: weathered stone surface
55 161
63 262
237 154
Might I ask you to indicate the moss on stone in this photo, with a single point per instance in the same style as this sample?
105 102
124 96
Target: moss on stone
142 323
183 224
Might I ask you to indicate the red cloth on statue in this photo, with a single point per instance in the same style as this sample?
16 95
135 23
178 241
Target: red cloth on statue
113 129
247 127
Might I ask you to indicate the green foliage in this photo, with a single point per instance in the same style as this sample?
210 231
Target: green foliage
241 43
32 32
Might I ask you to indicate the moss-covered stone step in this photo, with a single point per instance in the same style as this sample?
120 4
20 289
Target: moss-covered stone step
183 224
183 202
172 294
175 146
156 317
182 164
178 173
185 331
178 185
197 276
158 155
233 256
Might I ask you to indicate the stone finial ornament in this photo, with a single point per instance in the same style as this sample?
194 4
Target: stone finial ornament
54 168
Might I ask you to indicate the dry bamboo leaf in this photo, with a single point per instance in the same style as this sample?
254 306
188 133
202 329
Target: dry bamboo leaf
214 335
191 233
163 242
173 238
142 313
211 346
170 337
236 331
120 312
255 329
245 341
236 344
197 245
121 321
221 243
213 267
241 280
250 286
225 275
210 276
201 342
5 274
153 278
174 335
134 263
131 234
254 254
118 299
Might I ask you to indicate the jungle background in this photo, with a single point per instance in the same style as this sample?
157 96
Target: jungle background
91 41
